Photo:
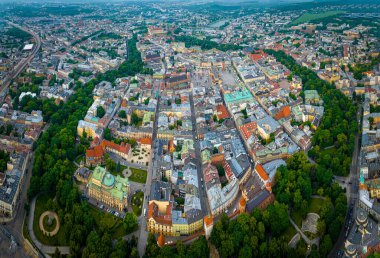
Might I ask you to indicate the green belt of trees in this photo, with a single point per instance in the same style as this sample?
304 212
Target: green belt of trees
339 124
205 44
53 167
265 233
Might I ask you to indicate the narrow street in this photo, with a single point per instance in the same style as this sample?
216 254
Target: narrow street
143 233
15 226
202 190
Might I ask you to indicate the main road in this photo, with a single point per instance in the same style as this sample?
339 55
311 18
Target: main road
352 187
15 226
23 62
143 237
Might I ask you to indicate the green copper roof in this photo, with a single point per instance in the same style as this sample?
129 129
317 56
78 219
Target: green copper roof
117 186
108 180
238 95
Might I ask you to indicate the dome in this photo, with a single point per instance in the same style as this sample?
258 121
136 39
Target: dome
208 220
161 240
108 180
362 218
242 202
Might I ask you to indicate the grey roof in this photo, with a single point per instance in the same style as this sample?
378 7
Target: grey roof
177 78
160 191
253 203
194 215
9 188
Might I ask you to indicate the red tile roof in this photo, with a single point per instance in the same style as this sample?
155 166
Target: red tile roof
248 129
161 240
210 172
284 112
146 141
261 172
123 147
258 55
227 170
154 213
221 112
208 220
96 152
242 202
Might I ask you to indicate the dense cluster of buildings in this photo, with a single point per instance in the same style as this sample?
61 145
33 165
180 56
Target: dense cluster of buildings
211 127
11 181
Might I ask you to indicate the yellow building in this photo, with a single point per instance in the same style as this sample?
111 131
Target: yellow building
162 219
186 223
91 129
108 189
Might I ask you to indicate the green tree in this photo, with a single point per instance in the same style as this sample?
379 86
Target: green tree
122 114
100 112
130 223
325 246
107 134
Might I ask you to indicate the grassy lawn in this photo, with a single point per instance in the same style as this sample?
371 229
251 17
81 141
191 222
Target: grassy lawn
310 235
136 202
138 175
25 231
315 205
58 239
105 219
114 171
289 233
329 151
314 16
296 216
79 159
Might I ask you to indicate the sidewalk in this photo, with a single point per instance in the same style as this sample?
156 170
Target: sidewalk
46 249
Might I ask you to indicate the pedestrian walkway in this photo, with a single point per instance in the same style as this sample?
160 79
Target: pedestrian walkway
304 237
46 249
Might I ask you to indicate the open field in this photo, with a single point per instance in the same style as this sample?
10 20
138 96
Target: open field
138 175
60 238
306 17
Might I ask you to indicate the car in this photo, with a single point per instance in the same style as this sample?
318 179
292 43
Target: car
101 206
116 214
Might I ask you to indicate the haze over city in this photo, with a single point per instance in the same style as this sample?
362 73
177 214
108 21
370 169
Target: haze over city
189 128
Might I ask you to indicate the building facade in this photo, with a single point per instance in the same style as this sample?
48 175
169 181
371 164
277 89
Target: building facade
109 189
